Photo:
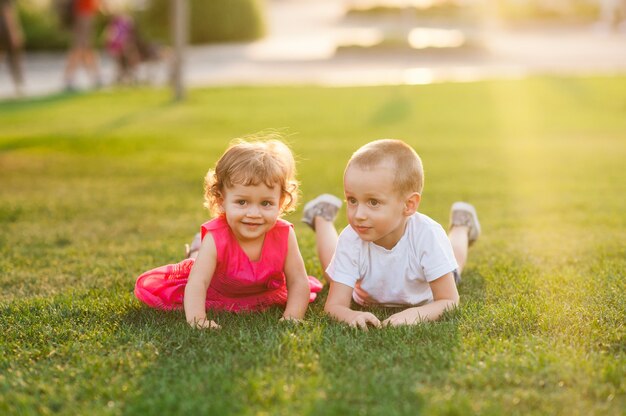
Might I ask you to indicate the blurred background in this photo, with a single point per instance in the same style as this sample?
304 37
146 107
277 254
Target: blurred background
96 188
332 42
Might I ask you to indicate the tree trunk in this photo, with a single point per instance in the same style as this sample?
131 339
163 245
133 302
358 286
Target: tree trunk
180 28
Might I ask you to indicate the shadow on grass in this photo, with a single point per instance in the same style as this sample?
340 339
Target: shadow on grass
396 109
257 364
215 372
105 349
132 117
37 102
67 138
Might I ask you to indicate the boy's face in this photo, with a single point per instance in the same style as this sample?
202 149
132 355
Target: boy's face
375 210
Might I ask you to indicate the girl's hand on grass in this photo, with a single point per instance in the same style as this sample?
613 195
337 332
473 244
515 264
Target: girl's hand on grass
204 324
291 319
361 320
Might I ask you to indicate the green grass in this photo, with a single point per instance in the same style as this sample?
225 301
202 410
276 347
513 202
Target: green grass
96 189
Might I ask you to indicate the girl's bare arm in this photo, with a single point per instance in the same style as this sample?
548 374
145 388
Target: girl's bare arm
198 283
297 281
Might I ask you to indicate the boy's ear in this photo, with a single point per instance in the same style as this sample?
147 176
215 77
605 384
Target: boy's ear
412 203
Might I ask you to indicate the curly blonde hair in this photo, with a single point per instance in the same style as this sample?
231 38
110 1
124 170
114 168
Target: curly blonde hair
262 160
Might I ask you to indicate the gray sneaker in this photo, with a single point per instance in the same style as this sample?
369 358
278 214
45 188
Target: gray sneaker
464 214
194 247
325 206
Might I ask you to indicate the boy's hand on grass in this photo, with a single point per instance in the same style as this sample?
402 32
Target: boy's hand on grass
361 320
204 324
406 317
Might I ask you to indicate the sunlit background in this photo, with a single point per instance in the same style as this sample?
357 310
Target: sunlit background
96 188
344 42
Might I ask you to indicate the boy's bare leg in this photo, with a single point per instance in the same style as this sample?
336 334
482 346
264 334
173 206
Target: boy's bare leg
325 240
458 236
320 214
464 229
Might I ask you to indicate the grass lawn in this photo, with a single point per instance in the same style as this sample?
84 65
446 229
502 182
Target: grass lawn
95 189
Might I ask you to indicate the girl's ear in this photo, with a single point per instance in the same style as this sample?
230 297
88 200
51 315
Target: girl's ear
411 204
283 202
219 201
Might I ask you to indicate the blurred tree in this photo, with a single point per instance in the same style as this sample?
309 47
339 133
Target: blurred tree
585 10
180 30
41 27
210 20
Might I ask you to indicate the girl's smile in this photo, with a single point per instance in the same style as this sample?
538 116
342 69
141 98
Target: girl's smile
251 210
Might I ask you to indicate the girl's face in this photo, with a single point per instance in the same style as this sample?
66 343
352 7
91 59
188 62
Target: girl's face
251 210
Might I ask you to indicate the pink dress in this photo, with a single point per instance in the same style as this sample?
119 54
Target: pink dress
238 284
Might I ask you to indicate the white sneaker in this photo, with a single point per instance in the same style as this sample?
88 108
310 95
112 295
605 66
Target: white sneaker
464 214
325 206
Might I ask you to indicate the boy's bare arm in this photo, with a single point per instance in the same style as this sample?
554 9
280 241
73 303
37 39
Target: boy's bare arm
298 287
445 297
199 280
338 306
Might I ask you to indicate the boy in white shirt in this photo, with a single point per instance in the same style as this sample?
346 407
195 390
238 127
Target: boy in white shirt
389 254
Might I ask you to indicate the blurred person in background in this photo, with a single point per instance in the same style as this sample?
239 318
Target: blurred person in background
11 42
122 46
130 50
612 15
82 51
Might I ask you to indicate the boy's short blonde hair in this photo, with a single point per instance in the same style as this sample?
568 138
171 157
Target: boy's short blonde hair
267 161
409 176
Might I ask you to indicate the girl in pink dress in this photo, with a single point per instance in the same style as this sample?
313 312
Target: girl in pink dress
249 258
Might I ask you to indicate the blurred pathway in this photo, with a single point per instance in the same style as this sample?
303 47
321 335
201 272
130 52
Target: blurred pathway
303 37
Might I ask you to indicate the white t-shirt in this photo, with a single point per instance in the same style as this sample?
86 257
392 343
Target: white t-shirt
396 277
